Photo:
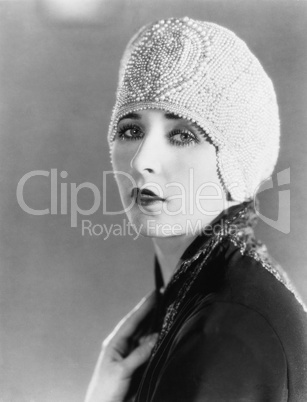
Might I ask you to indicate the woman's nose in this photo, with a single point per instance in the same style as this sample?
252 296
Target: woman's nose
147 157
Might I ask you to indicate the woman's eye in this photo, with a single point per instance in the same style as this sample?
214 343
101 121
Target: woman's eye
129 132
182 138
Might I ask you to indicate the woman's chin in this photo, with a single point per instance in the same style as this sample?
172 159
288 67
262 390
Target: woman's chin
151 226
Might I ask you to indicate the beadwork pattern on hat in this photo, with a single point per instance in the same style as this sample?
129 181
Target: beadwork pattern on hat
203 72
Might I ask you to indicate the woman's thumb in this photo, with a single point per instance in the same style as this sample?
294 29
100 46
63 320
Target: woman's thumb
141 353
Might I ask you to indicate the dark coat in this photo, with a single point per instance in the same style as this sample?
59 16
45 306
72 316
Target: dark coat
232 328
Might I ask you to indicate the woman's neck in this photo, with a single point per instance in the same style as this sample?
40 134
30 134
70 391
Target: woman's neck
168 251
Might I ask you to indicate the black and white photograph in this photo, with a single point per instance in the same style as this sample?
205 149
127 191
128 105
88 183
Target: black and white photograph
153 201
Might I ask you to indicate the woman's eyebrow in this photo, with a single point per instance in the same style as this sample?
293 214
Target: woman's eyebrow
130 116
172 116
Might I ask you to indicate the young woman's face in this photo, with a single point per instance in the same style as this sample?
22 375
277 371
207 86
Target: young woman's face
166 172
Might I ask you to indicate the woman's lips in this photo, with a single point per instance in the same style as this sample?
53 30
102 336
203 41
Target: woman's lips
145 196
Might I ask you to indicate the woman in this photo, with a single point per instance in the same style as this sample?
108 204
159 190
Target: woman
194 131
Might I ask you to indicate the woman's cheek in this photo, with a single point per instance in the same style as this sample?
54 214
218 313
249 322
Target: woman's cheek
117 157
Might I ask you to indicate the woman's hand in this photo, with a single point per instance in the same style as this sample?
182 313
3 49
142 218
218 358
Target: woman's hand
121 355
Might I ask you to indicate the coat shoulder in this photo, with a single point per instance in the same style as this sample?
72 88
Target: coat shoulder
253 299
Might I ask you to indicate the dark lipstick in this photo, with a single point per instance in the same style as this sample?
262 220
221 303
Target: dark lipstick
145 196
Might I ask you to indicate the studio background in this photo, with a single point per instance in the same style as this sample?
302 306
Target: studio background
61 292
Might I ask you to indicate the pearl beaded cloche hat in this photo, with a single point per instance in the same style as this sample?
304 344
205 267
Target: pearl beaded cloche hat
204 73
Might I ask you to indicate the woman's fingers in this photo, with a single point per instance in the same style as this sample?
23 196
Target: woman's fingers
111 381
128 325
119 357
140 354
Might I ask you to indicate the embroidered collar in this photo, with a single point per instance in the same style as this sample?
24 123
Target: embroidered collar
236 219
240 220
237 223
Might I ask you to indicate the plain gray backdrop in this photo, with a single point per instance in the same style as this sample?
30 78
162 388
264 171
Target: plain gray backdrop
61 292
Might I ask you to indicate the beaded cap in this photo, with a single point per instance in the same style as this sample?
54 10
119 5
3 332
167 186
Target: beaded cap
204 73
